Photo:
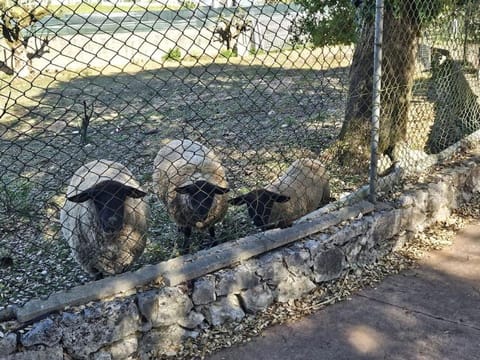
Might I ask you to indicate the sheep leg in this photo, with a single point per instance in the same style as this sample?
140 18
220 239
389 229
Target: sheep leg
187 233
211 232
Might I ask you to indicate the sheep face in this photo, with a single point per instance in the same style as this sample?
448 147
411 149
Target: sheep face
109 200
200 196
259 205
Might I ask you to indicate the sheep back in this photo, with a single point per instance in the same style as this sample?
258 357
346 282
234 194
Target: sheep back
307 184
180 163
95 251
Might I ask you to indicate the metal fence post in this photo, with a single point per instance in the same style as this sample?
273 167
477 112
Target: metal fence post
377 86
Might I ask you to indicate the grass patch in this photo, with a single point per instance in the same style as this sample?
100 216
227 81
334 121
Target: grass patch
15 196
174 54
228 53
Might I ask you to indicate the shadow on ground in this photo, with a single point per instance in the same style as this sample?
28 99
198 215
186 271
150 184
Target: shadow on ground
430 312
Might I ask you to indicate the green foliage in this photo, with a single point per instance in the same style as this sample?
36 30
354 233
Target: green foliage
335 22
173 54
325 22
228 53
188 4
15 16
15 196
472 21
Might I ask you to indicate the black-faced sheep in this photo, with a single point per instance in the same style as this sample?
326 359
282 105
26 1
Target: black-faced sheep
104 218
303 188
191 182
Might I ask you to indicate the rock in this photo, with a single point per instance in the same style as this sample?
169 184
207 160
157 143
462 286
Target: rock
163 341
386 225
121 350
45 332
55 353
204 290
440 201
298 260
472 182
164 307
8 344
102 355
120 319
293 288
317 244
233 281
223 310
328 265
352 250
273 271
256 299
415 219
69 319
192 321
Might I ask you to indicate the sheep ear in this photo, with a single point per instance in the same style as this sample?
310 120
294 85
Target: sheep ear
279 198
82 197
187 189
219 190
239 200
134 192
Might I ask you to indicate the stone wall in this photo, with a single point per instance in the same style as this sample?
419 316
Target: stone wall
153 322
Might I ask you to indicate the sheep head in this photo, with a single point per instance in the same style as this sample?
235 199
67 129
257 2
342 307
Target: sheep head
259 205
109 200
200 196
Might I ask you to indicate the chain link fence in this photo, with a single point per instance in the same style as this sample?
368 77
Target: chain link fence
173 126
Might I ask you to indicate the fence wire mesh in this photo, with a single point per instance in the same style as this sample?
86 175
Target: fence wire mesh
172 126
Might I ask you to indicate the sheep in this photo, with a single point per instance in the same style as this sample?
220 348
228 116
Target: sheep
191 182
302 188
104 218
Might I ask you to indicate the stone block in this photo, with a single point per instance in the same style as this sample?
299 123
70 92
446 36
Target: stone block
123 349
256 299
328 265
293 288
224 310
55 353
441 201
45 332
164 307
386 225
298 260
119 319
161 342
472 182
233 281
273 269
192 321
8 344
204 290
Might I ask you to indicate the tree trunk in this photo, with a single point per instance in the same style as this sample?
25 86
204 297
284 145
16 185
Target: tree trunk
398 65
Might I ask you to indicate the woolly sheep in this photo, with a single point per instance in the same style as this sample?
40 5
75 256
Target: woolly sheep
104 219
303 188
191 182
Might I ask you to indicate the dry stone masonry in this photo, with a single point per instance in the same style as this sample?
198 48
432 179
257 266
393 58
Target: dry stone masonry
151 323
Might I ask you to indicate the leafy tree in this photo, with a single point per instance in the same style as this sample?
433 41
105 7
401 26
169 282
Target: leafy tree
340 22
15 17
229 29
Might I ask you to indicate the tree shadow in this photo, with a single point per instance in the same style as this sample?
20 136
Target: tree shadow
258 119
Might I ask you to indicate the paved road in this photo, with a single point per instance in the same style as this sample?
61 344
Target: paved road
432 312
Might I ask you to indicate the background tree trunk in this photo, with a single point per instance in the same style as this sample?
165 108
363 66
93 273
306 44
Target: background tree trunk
398 67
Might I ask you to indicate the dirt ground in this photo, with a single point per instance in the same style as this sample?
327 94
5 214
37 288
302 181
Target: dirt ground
258 115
